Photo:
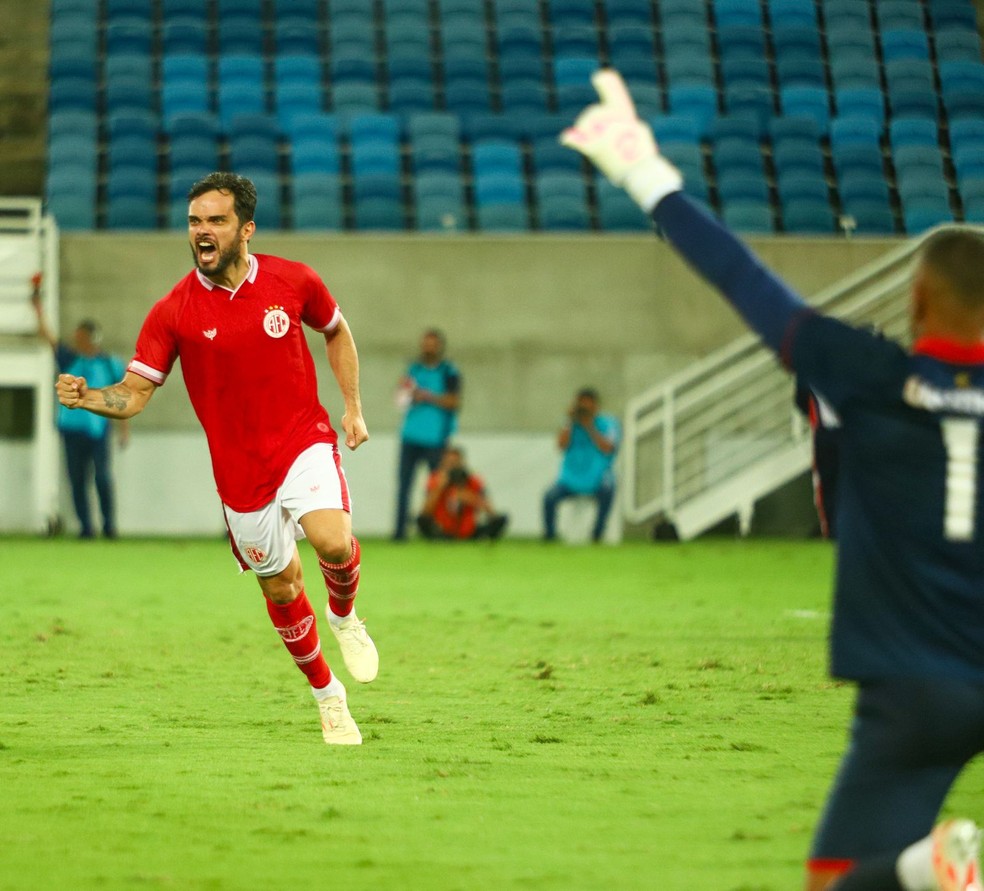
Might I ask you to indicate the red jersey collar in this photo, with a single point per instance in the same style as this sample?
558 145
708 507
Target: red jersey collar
949 351
254 268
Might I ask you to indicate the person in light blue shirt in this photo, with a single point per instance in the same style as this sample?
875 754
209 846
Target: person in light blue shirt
87 436
430 395
589 442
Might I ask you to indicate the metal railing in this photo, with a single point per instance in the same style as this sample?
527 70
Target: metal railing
710 441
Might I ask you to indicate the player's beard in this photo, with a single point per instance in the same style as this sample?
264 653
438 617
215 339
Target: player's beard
222 261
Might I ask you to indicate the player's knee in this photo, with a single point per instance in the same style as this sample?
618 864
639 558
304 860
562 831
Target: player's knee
334 547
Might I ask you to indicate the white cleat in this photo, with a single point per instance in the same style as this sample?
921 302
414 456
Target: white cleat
337 725
358 650
956 845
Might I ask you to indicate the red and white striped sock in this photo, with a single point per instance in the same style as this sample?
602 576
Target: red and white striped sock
342 581
298 629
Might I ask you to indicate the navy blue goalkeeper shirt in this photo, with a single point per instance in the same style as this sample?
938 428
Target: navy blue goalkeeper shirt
909 595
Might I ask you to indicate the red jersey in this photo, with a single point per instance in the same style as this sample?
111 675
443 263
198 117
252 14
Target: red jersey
248 369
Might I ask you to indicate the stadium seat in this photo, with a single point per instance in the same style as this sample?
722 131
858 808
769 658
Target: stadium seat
741 186
957 45
745 73
741 41
871 217
354 97
617 212
802 13
904 44
898 15
628 12
852 72
752 103
690 70
127 65
846 14
796 42
317 201
922 103
440 203
794 157
72 94
800 72
748 216
913 131
737 12
505 217
676 128
920 214
791 127
297 34
123 93
131 212
808 216
952 14
850 41
961 104
697 102
373 157
735 154
861 103
128 34
865 160
467 96
807 102
185 34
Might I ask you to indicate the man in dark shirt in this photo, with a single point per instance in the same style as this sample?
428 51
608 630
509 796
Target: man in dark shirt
908 622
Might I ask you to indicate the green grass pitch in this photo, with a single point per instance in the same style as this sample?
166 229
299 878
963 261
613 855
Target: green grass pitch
640 717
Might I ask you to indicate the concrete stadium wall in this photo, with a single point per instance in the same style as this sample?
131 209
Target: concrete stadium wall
529 319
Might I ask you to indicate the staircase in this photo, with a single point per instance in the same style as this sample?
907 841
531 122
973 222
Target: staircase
712 440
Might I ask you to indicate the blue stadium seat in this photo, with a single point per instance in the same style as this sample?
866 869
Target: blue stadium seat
464 67
845 42
899 15
73 149
699 102
854 159
129 34
520 38
742 186
861 102
132 181
520 63
440 203
807 102
128 65
354 97
919 214
745 73
315 154
578 11
435 123
952 14
574 40
464 96
901 74
628 12
617 212
737 12
116 8
904 44
797 158
913 131
549 156
572 98
72 94
851 72
185 67
375 157
499 187
309 8
73 123
634 64
402 64
926 159
792 127
635 37
524 96
793 12
690 70
957 45
677 128
297 34
299 68
735 156
435 152
748 216
914 103
238 98
968 133
407 95
574 69
496 156
958 76
806 216
796 42
502 217
172 8
744 127
862 186
131 212
846 14
185 34
855 130
383 214
741 41
123 93
751 102
872 217
269 206
193 124
960 104
82 68
800 72
802 187
686 38
351 64
298 98
193 149
405 37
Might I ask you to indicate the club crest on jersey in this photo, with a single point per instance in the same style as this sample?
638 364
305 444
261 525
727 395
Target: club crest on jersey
276 321
210 333
254 554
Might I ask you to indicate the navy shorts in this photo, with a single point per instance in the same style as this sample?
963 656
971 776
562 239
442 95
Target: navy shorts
909 740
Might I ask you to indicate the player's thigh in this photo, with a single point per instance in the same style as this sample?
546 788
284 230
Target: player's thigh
262 540
909 741
315 494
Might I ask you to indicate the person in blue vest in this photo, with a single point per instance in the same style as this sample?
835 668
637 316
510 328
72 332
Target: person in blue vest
87 436
589 442
430 395
907 624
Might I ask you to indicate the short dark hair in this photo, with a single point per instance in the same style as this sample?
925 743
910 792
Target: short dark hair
92 328
957 256
588 393
241 188
439 334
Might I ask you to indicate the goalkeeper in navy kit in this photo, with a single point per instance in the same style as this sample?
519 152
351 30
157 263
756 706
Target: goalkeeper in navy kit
908 619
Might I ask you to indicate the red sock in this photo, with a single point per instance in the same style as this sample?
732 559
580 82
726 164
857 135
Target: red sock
295 624
342 581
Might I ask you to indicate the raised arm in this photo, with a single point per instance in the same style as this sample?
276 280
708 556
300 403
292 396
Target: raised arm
123 400
344 360
622 147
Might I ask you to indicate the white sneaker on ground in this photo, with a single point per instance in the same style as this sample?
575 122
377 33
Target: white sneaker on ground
956 846
337 725
358 650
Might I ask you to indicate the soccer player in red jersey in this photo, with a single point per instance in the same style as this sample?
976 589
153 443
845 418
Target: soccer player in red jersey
909 594
235 321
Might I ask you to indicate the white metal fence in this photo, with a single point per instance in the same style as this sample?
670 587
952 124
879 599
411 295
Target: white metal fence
712 440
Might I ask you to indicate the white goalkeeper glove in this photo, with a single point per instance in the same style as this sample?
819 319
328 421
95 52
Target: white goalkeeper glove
621 146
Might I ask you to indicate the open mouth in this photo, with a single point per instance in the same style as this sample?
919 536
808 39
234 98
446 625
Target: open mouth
207 250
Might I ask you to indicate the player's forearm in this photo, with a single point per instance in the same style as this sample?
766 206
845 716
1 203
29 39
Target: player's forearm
117 401
763 300
344 360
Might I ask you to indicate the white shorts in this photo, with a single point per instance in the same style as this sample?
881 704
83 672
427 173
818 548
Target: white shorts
263 540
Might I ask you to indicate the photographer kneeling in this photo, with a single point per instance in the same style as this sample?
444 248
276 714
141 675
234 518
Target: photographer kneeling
455 500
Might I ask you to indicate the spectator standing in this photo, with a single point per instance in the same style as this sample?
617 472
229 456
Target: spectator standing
589 442
87 437
430 393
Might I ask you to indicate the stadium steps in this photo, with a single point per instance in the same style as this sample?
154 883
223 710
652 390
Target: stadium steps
711 441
